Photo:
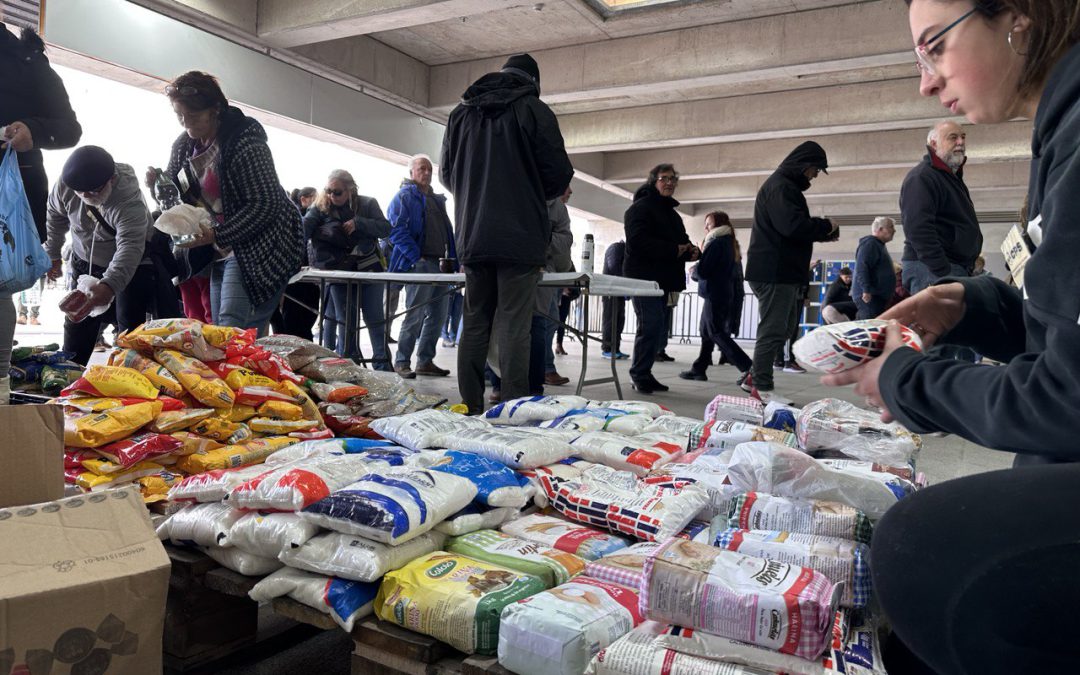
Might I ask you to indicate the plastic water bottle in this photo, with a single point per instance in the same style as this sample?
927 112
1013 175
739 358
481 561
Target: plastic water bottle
588 249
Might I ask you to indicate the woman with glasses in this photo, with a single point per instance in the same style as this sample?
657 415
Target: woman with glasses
344 228
222 163
978 575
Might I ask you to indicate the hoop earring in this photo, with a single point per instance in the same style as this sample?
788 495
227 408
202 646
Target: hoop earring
1013 47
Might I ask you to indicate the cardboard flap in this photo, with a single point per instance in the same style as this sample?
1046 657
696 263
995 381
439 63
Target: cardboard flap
31 454
83 539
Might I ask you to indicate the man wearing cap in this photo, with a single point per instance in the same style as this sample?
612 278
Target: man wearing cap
781 243
503 160
99 202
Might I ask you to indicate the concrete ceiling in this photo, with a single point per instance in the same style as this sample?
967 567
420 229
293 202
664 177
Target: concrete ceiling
721 88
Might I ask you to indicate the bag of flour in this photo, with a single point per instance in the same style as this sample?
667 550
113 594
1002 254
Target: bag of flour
762 511
584 542
350 557
517 448
343 601
419 430
520 411
639 455
268 534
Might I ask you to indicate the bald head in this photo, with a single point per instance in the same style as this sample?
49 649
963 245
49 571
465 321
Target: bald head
949 142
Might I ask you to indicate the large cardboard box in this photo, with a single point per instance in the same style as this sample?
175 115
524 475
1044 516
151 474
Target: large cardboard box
31 455
83 582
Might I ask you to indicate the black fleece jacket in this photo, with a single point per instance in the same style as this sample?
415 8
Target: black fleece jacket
1029 405
940 225
654 231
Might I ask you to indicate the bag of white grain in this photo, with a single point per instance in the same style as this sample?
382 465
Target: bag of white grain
419 430
639 455
343 601
453 598
638 653
763 602
762 511
350 557
639 407
717 436
600 419
475 517
517 448
269 534
557 632
242 562
843 346
530 409
832 426
706 472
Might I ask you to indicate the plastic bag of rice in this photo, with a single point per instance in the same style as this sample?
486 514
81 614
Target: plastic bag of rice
550 565
291 488
623 566
832 424
212 486
243 562
763 602
557 632
496 484
200 524
394 505
735 409
841 560
638 455
717 436
453 598
420 430
351 557
529 409
762 511
711 476
342 600
475 517
268 534
842 346
638 653
675 425
600 419
517 448
643 407
584 542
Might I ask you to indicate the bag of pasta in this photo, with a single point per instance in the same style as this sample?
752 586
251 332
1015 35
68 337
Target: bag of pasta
112 381
223 430
184 335
196 378
158 375
179 420
94 430
229 456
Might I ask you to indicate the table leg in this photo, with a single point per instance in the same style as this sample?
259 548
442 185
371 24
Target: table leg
584 342
614 351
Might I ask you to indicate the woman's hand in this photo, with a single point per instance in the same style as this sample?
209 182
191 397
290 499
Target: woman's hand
932 312
865 377
349 226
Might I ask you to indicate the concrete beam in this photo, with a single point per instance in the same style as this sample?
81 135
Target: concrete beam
853 152
287 23
242 14
369 60
857 108
860 36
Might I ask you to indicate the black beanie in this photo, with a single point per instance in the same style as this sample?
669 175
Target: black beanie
88 168
525 64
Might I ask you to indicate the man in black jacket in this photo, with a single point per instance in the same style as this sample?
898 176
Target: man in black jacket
657 249
838 306
503 159
613 318
781 243
941 231
875 279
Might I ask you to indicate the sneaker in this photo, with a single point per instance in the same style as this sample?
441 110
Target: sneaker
555 379
34 321
693 375
21 321
644 387
607 355
778 365
390 340
431 370
405 372
746 382
656 384
664 357
448 343
620 355
792 367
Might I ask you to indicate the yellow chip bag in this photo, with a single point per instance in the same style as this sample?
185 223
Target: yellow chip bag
219 336
281 410
230 456
310 408
242 377
238 413
222 430
97 429
178 420
193 443
114 382
92 480
161 378
90 404
197 378
265 425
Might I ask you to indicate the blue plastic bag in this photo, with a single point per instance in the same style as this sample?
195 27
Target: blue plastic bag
22 260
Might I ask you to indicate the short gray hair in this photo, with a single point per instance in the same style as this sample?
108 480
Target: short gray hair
880 223
934 134
416 158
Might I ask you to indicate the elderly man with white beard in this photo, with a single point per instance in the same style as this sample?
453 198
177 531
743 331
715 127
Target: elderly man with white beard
941 230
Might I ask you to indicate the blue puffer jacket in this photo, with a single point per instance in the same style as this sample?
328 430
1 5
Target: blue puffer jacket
407 212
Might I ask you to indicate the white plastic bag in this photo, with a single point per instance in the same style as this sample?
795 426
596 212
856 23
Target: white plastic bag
242 562
292 487
638 455
344 601
268 534
350 557
523 448
201 524
183 220
644 407
420 430
530 409
212 486
473 518
833 424
735 409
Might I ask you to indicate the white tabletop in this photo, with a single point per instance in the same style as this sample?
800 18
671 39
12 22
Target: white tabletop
598 284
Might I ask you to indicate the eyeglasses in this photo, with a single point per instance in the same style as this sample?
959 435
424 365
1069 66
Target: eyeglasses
185 90
668 179
334 193
924 57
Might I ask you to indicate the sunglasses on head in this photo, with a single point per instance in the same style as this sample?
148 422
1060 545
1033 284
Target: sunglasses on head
186 90
334 193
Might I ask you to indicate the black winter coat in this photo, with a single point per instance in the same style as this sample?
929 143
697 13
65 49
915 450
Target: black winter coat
503 159
613 258
874 273
716 276
262 225
1029 405
783 235
32 93
654 231
940 225
329 243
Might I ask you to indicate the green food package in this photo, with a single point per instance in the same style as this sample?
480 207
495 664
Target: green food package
20 353
550 565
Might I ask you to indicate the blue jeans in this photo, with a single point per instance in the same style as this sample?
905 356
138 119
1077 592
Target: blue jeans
425 322
229 302
453 317
917 275
339 327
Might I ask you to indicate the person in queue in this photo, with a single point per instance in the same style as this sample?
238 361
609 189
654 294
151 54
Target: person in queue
977 574
298 311
874 282
222 163
344 228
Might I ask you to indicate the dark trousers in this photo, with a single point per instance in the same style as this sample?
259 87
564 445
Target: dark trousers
293 318
537 358
714 331
131 306
651 334
564 311
978 574
870 310
499 303
777 307
612 322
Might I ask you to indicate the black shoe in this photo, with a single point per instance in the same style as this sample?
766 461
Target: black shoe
644 387
391 341
663 356
655 384
693 375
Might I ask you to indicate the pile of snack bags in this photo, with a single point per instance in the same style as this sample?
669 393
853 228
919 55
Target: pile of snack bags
179 398
42 369
564 535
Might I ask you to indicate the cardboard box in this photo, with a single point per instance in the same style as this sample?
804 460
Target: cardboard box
31 456
83 582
